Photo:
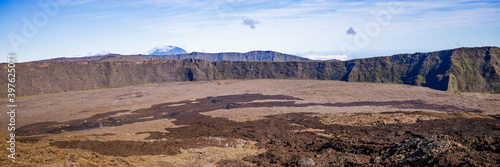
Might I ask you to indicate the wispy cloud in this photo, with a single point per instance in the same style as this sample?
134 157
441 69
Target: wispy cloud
319 56
285 26
98 53
76 2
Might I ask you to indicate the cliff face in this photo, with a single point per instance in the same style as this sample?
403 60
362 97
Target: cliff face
422 69
49 77
475 70
463 69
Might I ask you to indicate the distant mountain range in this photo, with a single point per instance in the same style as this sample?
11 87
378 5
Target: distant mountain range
155 55
231 56
456 70
166 50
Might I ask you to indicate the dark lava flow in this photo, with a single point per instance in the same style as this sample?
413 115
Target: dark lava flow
451 142
454 142
176 109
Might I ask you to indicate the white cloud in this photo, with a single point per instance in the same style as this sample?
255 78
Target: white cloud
319 56
102 52
161 48
286 26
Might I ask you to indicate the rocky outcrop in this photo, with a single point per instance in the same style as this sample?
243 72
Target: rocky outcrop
417 152
462 69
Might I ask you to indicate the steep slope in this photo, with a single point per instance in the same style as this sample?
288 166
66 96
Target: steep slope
462 69
475 70
422 69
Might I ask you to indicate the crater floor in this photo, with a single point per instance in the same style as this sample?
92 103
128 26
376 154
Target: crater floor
257 122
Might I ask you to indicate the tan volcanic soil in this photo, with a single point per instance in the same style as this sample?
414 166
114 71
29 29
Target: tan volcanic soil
81 104
268 122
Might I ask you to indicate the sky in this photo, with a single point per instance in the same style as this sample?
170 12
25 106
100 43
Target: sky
317 29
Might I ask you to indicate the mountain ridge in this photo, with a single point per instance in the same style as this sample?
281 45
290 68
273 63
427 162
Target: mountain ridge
256 55
456 70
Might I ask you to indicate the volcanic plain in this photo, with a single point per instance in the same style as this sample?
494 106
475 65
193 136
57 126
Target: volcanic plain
265 122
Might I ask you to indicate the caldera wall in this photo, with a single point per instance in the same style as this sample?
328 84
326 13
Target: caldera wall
462 69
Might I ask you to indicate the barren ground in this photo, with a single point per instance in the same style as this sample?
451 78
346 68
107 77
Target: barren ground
263 122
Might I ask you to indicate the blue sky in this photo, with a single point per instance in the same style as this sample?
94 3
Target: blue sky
37 30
